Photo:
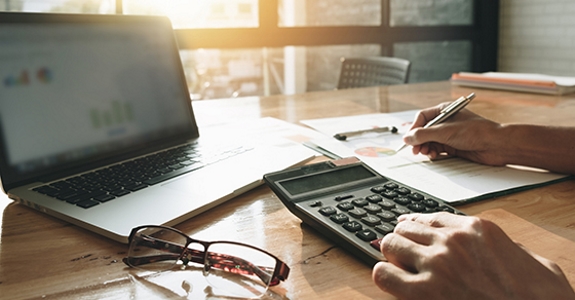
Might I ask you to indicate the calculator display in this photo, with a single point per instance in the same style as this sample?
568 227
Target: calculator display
325 180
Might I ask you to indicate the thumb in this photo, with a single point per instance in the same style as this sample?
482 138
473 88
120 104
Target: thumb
420 136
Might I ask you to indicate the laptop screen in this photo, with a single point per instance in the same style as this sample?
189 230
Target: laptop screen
72 92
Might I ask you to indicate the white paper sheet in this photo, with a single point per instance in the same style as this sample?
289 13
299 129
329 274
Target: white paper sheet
453 179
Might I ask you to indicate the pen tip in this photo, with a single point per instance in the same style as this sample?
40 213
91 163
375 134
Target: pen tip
401 148
340 137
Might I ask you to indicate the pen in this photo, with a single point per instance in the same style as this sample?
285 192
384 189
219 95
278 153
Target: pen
344 135
447 112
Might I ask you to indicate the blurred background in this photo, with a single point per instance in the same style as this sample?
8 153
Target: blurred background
235 48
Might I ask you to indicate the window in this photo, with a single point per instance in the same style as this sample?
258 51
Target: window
199 13
60 6
261 47
430 13
434 61
300 13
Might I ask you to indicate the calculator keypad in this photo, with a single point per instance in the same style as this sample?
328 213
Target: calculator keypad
365 216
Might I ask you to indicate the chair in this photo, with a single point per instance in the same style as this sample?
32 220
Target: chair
372 71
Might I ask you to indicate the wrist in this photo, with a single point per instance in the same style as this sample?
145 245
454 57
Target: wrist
536 146
509 139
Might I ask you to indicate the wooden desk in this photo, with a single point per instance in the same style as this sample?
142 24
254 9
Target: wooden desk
44 258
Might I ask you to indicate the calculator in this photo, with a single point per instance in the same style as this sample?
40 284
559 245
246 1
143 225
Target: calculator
350 203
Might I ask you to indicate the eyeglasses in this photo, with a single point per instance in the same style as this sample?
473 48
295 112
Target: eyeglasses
233 269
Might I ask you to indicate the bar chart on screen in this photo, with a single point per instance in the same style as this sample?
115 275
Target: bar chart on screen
117 113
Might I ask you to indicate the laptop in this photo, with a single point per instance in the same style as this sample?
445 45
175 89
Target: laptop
97 127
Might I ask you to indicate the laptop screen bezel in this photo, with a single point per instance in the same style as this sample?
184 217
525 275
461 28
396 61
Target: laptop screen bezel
11 178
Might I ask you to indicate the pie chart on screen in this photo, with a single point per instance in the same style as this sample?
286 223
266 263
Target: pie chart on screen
44 75
374 151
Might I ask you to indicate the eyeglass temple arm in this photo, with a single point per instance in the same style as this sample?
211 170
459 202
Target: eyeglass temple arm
143 260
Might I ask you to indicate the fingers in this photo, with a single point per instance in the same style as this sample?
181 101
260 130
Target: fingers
419 136
406 250
426 115
441 219
417 232
433 150
405 247
441 134
392 279
401 251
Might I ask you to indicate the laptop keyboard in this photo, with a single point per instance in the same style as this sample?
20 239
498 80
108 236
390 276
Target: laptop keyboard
90 189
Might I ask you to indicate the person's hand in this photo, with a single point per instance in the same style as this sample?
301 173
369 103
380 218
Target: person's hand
446 256
465 134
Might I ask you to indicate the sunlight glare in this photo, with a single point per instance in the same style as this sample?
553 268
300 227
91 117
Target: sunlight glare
198 14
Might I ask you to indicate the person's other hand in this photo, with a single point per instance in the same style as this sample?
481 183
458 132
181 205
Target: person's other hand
446 256
465 134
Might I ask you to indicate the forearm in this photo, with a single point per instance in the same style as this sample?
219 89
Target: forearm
546 147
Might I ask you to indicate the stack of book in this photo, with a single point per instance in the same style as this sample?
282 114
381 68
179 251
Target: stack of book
521 82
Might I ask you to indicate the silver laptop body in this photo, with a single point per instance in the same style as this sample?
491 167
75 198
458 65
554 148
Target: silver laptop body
82 96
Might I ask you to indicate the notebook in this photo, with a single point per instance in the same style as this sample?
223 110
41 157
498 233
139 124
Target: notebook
91 105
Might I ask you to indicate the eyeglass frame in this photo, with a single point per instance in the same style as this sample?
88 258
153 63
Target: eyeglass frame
186 255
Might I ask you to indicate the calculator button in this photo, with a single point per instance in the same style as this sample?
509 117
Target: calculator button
430 203
359 202
357 212
384 228
402 200
400 211
403 191
376 244
315 204
387 204
389 194
371 220
386 216
327 211
416 207
339 218
345 206
416 196
374 198
391 185
352 226
366 235
372 208
378 189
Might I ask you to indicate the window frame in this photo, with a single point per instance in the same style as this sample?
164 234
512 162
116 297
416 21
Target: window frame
483 33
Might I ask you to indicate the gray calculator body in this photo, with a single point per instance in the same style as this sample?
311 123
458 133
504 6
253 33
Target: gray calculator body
351 204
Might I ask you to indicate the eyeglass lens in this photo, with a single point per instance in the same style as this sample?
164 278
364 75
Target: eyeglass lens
233 270
240 270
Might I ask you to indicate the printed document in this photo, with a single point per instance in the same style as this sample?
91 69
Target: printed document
454 180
